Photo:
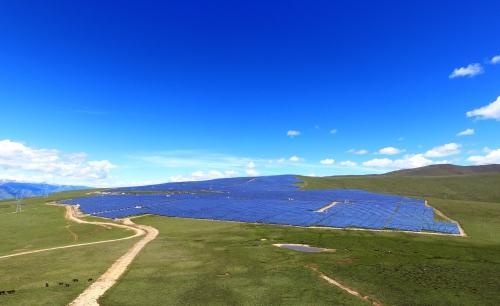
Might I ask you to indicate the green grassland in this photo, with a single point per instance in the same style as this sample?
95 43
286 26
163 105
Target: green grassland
485 187
28 274
195 262
41 226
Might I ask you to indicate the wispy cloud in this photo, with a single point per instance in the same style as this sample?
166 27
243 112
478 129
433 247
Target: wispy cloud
390 151
293 133
327 161
358 152
295 159
467 71
490 111
202 176
407 162
333 131
495 60
348 163
444 150
466 132
193 159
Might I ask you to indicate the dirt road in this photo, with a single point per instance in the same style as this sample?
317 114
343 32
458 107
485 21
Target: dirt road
92 294
109 278
72 215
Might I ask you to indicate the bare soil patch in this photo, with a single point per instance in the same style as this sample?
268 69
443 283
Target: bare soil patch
337 284
302 248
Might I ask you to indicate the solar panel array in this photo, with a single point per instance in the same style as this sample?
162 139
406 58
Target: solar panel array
271 200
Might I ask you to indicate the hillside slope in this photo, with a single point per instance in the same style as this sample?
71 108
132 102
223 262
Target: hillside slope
446 170
475 187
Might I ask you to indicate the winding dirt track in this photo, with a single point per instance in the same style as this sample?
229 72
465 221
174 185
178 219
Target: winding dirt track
92 294
71 215
109 278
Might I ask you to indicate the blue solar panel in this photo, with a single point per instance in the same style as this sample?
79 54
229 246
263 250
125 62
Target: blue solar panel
273 200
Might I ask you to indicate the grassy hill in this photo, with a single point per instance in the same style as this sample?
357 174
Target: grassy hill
447 170
475 187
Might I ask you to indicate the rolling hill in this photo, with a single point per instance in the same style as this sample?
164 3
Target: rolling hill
474 183
447 170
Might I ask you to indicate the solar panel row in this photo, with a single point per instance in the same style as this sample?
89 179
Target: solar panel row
273 200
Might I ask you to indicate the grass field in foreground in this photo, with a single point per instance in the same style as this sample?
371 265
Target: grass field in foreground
28 274
42 226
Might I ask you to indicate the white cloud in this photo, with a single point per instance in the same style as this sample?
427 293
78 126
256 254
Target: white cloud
444 150
18 160
409 161
203 176
230 173
495 59
390 151
333 131
348 163
491 157
490 111
468 71
295 159
378 163
195 159
252 172
466 132
358 152
293 133
327 161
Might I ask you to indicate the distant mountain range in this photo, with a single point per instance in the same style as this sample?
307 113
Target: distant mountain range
12 189
447 170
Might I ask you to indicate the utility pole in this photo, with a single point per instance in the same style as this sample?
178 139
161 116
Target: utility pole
19 207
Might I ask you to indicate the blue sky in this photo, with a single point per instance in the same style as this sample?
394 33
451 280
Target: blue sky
111 93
